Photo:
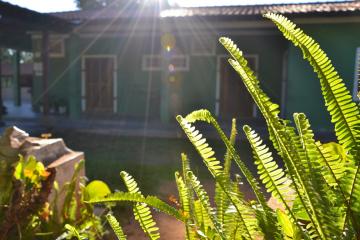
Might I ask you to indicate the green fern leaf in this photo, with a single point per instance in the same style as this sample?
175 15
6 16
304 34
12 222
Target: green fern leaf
228 158
142 212
139 198
116 227
205 202
333 157
269 109
344 112
214 165
283 137
186 206
194 137
271 175
221 200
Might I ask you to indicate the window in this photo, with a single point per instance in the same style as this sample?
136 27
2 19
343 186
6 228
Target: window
56 46
356 75
203 48
175 63
151 63
179 63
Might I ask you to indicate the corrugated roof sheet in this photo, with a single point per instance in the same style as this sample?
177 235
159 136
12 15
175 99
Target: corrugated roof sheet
243 10
324 7
106 14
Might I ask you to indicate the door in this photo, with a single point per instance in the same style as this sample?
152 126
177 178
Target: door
235 101
99 77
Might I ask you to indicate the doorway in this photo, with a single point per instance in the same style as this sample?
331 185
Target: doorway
99 84
234 101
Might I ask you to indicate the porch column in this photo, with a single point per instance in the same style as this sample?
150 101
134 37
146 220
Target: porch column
45 73
164 93
16 79
1 98
75 75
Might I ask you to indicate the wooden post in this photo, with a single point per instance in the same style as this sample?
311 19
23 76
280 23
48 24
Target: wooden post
1 97
16 77
45 71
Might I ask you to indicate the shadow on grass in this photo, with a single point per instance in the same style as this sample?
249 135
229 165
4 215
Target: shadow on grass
151 161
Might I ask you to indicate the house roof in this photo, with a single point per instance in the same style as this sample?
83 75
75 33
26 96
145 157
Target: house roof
13 14
106 14
248 10
16 22
344 7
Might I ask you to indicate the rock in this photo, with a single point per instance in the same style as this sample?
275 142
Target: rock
53 153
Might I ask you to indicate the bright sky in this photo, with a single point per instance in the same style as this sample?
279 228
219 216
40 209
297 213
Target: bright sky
67 5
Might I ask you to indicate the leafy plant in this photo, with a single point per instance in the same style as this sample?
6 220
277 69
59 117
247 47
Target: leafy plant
32 213
318 191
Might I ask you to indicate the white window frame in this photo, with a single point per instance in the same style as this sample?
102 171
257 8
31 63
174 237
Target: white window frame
145 59
356 74
187 63
218 81
58 37
159 68
83 79
61 41
194 51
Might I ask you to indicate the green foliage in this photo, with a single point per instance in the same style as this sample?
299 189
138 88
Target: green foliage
32 213
317 194
116 227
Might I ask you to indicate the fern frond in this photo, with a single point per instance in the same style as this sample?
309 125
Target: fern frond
142 212
216 169
205 116
205 202
333 157
271 175
228 158
186 203
139 198
344 112
330 214
116 227
183 194
283 137
269 110
221 200
203 223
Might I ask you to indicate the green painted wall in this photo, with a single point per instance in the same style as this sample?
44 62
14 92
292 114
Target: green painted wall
339 41
197 87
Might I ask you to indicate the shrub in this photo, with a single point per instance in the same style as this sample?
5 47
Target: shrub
28 211
318 190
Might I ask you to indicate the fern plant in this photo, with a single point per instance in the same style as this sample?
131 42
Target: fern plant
317 191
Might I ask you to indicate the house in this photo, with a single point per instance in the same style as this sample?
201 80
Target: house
8 80
147 63
15 25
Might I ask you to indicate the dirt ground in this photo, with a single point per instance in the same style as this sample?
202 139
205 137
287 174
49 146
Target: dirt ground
170 228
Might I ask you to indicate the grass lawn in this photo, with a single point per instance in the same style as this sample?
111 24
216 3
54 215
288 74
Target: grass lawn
151 160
